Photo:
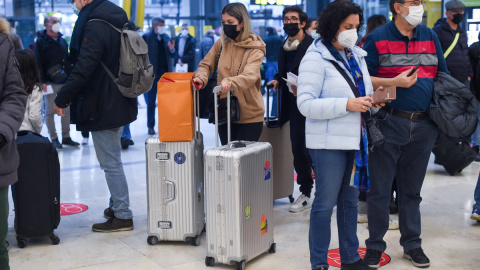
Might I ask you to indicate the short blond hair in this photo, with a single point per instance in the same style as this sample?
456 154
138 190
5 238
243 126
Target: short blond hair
238 11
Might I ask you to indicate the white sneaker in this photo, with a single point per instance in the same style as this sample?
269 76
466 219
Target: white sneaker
302 203
85 141
393 224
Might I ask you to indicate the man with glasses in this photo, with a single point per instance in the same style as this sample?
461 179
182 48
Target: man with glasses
291 54
394 50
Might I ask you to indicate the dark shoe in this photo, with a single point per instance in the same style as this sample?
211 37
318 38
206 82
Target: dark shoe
57 144
151 131
125 142
108 213
372 258
321 268
114 225
68 141
393 207
418 257
358 265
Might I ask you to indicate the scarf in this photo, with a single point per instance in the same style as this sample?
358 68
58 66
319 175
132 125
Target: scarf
77 34
360 175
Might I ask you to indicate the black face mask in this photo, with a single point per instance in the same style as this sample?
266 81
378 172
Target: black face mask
457 18
291 29
231 31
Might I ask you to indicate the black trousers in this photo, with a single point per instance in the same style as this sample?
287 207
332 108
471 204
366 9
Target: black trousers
301 158
245 132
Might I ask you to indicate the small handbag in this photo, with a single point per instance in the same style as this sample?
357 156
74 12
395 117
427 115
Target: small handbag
56 74
222 108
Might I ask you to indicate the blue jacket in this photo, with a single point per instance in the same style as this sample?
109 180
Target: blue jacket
322 97
151 40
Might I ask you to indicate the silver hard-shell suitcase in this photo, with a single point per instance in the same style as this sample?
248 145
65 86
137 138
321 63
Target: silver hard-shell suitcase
239 201
175 189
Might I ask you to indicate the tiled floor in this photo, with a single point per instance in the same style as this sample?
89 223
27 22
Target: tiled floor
450 238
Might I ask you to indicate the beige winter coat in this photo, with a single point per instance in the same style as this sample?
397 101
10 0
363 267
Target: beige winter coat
245 85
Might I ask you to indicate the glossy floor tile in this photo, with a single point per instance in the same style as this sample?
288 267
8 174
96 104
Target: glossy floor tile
450 238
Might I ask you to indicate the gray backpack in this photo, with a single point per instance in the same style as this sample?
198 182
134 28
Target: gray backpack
135 75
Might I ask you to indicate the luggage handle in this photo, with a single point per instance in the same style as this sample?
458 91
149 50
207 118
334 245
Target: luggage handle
169 191
268 123
216 90
196 110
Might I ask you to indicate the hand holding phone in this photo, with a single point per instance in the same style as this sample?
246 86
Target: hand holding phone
413 70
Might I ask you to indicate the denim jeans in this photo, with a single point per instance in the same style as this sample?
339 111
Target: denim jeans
272 69
126 132
150 99
476 195
404 155
476 134
108 150
333 171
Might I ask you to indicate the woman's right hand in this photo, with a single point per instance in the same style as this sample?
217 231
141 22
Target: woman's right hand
360 104
198 82
275 84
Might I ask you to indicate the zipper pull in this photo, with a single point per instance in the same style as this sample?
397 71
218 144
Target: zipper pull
55 201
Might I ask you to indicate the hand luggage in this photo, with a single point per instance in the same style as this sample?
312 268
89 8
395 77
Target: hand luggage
175 189
454 154
283 170
36 195
239 200
176 119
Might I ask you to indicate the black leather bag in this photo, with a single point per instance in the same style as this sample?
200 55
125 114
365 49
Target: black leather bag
56 74
222 111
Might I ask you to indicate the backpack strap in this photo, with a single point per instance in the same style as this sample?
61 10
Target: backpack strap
111 25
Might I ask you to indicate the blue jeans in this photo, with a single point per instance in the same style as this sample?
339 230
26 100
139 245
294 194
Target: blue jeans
404 155
333 170
476 134
272 69
150 99
126 132
108 150
477 194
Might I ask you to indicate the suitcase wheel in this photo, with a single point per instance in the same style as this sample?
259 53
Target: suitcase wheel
55 240
273 248
209 261
291 198
240 265
21 243
152 240
196 241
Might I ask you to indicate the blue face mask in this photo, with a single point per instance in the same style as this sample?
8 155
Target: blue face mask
75 9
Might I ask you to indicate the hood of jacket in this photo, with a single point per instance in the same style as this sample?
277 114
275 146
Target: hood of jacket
4 26
440 22
253 42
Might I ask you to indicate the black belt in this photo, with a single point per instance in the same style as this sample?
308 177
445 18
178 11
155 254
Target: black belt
406 115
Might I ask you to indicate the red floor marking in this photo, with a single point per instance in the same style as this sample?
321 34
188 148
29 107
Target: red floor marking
334 257
67 209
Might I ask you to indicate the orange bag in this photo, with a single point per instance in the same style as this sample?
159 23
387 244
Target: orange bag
175 107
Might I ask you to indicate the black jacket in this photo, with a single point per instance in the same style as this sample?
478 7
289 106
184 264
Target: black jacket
96 102
285 97
13 100
50 52
458 62
152 42
189 52
273 43
453 107
474 53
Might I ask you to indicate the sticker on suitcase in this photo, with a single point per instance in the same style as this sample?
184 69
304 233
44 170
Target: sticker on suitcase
267 170
180 158
263 225
248 212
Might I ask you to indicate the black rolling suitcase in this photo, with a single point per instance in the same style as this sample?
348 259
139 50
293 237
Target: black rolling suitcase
36 195
454 154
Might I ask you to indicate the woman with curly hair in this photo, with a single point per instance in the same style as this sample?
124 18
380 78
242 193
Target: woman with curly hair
334 130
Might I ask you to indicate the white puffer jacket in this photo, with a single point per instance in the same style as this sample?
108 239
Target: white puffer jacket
322 99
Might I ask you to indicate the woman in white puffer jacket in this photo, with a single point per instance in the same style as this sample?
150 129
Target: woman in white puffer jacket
333 128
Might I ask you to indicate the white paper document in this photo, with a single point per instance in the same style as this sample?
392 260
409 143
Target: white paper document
49 90
180 68
291 79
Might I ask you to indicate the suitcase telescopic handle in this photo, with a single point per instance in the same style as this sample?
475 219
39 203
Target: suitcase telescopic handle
196 109
268 123
216 90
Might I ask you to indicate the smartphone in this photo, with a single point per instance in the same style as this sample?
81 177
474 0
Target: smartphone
385 95
413 70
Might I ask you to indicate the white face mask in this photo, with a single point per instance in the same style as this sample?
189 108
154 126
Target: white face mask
348 38
314 34
415 15
161 30
184 33
56 28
